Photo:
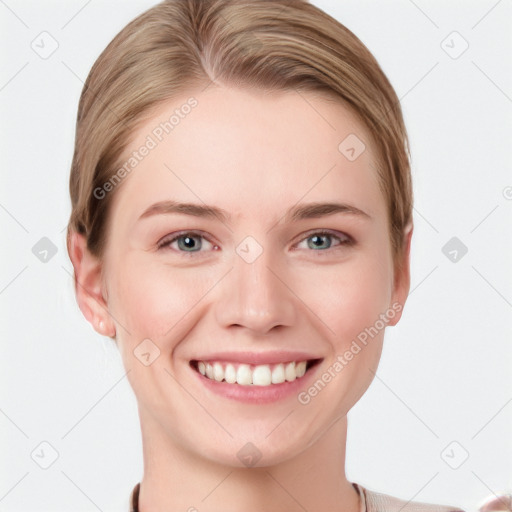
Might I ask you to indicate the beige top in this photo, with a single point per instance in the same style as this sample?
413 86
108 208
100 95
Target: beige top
370 502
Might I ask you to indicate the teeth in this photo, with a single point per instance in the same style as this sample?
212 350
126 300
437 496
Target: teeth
243 375
246 375
230 374
218 372
300 369
262 376
278 374
289 372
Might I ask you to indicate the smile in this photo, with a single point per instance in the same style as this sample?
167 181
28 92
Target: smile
253 375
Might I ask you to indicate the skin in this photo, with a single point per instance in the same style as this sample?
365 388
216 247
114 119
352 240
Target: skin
255 155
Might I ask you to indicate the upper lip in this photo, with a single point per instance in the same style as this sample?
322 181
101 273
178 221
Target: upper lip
258 358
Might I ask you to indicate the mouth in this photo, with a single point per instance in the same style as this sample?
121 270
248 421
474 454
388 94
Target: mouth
263 375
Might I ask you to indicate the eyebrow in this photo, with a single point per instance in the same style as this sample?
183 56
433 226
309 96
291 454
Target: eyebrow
294 214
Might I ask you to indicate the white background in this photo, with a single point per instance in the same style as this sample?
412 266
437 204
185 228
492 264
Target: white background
445 372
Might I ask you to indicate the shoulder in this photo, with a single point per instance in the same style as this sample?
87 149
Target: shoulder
372 501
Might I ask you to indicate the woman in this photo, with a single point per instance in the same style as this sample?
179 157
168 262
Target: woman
241 225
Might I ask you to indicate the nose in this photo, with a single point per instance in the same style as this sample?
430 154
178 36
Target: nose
256 295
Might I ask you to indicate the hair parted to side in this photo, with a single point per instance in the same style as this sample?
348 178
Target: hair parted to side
277 45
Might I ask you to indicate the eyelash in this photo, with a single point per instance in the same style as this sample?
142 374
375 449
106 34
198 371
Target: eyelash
344 240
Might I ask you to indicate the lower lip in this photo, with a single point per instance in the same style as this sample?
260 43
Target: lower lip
258 394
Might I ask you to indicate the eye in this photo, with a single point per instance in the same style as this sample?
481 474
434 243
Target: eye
192 241
187 241
323 240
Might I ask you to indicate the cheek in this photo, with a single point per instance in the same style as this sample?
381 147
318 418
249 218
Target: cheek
350 298
152 300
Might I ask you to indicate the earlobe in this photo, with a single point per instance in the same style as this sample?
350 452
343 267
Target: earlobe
89 286
402 277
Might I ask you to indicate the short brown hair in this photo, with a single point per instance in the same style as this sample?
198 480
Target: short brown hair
275 45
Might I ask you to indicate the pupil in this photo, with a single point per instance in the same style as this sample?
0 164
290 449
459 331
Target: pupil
188 242
317 240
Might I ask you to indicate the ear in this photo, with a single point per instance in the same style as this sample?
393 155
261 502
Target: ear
89 287
402 277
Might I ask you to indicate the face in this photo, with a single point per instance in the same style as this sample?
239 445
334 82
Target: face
254 274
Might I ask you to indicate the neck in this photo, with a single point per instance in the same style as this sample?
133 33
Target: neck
178 480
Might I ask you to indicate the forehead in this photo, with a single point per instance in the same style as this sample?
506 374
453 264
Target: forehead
247 150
